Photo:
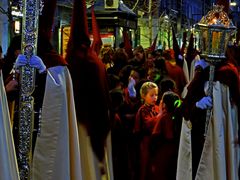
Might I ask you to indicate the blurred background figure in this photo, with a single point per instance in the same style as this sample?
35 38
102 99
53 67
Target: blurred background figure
106 55
139 58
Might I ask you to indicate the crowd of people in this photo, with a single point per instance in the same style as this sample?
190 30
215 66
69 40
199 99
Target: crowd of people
153 96
127 114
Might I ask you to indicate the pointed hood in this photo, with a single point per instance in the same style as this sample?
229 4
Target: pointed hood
79 25
97 41
89 80
176 49
45 49
153 46
191 52
127 44
184 42
46 19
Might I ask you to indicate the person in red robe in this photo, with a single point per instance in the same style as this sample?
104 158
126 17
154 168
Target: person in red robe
174 71
146 118
91 95
165 139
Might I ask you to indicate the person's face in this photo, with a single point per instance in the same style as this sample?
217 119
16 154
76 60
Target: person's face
151 74
138 56
151 97
135 75
162 106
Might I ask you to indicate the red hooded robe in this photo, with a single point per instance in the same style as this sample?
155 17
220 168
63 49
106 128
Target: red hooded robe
89 81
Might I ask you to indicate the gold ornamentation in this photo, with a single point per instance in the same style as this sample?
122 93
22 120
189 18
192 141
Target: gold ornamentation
215 30
216 17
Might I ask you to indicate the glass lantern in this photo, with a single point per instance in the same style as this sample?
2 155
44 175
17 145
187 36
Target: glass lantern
214 30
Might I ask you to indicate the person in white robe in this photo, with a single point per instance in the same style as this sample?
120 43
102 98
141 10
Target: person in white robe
216 156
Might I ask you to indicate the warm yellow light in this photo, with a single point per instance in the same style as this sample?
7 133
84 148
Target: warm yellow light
17 27
233 3
214 21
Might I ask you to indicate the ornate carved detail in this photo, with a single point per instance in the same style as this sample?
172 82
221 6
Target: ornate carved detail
215 30
31 10
216 17
209 93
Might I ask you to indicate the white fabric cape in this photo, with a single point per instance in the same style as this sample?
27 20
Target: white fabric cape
63 150
220 156
185 70
192 68
184 164
8 160
57 152
189 75
90 164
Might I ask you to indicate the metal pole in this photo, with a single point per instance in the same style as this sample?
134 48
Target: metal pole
31 9
209 93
